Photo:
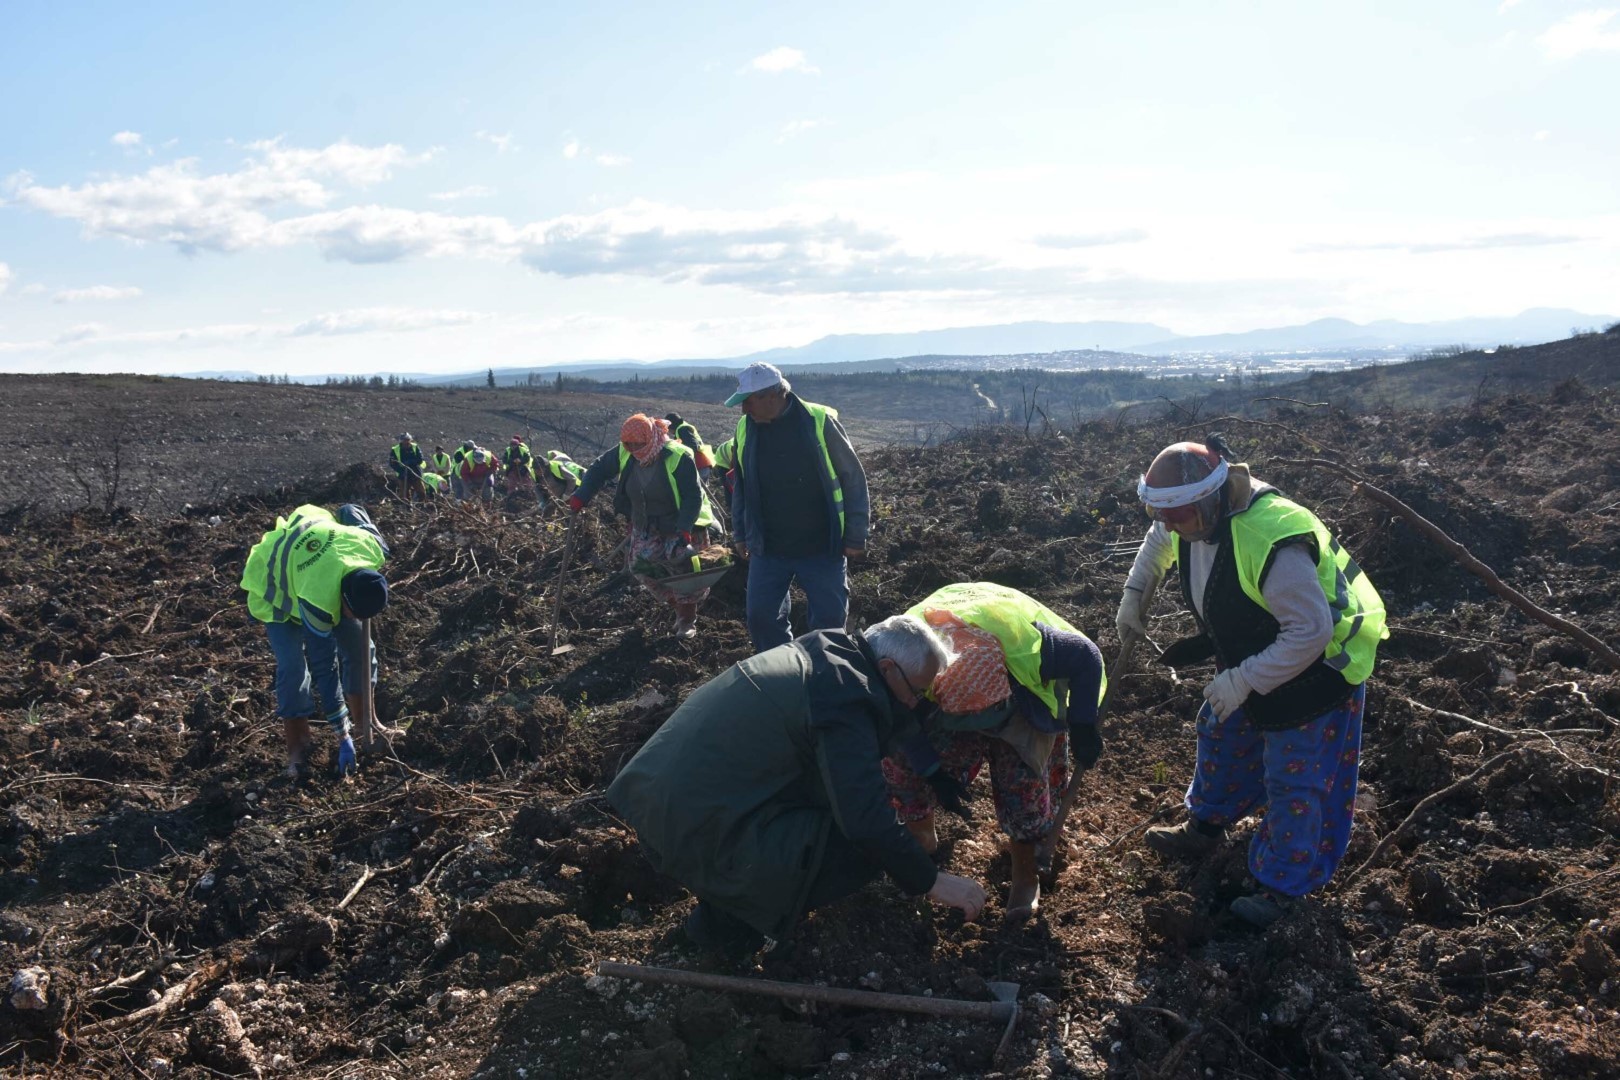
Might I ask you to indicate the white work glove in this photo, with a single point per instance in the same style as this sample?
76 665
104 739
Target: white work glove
966 895
1227 692
1132 617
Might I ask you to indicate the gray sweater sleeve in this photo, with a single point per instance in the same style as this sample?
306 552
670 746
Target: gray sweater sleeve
1295 599
852 478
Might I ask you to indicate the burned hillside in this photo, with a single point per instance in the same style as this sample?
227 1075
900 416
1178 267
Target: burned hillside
173 906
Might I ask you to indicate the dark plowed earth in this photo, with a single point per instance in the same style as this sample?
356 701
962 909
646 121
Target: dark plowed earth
442 913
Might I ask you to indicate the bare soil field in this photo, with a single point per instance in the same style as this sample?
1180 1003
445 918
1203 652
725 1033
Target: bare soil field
155 444
180 909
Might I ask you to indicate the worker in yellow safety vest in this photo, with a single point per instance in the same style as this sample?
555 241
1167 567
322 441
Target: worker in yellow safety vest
310 580
1293 626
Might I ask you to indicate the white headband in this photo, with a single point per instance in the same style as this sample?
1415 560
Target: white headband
1164 498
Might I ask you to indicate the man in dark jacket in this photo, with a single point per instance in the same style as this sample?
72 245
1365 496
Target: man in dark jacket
800 507
405 458
763 794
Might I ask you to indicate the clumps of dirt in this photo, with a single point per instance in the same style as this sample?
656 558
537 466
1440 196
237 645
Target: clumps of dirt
444 908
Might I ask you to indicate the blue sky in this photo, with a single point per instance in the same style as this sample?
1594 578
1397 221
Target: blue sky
306 188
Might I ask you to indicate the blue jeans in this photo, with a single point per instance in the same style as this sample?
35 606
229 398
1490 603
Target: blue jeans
328 666
825 581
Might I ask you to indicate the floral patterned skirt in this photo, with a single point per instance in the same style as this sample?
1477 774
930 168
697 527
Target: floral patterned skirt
656 547
1025 799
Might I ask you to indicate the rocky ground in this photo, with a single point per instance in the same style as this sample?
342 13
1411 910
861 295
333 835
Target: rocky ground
174 907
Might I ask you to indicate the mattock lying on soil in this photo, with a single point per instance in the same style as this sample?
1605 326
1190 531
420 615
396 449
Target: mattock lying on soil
1005 1007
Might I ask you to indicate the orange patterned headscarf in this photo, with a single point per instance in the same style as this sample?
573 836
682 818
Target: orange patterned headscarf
643 437
977 678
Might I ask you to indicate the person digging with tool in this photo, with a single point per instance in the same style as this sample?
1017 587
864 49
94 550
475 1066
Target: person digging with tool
310 580
440 461
800 507
457 457
669 513
518 462
405 458
558 475
687 432
478 469
1293 625
1021 696
763 794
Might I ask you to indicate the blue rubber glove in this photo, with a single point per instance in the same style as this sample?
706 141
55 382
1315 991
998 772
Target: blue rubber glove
346 761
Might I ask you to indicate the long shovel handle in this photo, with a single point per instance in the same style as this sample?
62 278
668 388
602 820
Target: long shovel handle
562 574
368 704
1047 849
829 995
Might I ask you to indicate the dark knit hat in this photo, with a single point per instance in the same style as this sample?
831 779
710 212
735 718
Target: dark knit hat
366 592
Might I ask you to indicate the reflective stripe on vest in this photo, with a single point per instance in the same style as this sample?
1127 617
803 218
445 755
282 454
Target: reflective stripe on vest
672 462
563 467
278 592
1358 610
820 413
1010 617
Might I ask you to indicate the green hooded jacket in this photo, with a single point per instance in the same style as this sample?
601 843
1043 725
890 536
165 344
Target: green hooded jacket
736 794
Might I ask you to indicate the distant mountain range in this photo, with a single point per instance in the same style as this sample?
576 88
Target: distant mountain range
1025 339
1530 327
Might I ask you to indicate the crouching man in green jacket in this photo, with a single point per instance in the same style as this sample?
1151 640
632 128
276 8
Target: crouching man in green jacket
763 794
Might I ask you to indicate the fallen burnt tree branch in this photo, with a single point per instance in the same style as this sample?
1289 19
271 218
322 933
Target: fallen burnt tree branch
1593 880
1492 728
1457 551
172 997
1417 811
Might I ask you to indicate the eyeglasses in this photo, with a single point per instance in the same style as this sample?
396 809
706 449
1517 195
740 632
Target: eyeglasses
916 693
1173 515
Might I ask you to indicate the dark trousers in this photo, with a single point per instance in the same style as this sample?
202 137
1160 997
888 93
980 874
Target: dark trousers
824 579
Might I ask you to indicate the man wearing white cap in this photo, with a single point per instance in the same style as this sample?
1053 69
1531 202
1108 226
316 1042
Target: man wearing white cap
800 507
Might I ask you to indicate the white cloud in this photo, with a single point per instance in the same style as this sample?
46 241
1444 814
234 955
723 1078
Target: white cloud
1542 135
96 292
74 334
177 204
127 139
472 191
1470 243
382 320
1506 5
1584 31
783 59
380 234
5 277
574 150
1066 241
794 128
502 142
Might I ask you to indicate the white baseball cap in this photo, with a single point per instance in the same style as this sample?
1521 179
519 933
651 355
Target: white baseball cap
756 377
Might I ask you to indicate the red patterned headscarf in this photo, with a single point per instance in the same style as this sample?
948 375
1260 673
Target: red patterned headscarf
977 678
643 438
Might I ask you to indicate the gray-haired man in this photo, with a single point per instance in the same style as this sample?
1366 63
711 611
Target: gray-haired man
764 795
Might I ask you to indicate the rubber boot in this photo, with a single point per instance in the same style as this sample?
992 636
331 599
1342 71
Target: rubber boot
295 729
923 830
685 620
1024 890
